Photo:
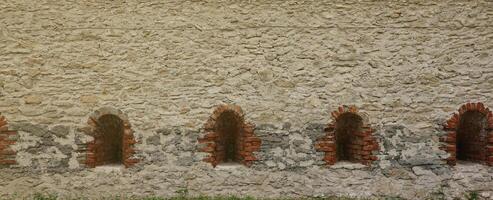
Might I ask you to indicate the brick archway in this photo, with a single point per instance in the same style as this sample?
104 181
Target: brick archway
7 138
107 125
469 135
226 133
348 137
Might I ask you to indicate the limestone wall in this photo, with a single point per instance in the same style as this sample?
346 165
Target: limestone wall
406 65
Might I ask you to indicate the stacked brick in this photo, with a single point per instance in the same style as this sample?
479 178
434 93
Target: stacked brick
327 144
246 142
128 146
7 139
478 149
362 144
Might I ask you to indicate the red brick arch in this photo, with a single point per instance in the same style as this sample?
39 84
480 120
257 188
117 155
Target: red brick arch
7 138
480 146
214 139
96 148
360 141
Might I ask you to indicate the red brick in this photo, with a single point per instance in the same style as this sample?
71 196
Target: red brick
248 129
448 148
132 161
452 134
363 134
480 107
7 155
251 148
128 151
249 158
9 132
327 149
368 147
3 124
330 159
489 148
204 140
257 143
452 122
251 139
211 136
451 158
7 152
8 162
365 152
207 149
8 142
359 142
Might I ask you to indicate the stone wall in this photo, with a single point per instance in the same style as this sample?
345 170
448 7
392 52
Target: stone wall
407 66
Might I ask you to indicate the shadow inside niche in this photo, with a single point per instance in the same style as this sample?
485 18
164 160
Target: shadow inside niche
346 126
228 126
109 143
471 136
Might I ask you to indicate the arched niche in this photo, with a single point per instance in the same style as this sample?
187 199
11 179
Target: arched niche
348 137
469 135
228 138
113 140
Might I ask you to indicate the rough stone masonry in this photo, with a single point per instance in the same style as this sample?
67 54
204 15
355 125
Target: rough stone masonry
281 69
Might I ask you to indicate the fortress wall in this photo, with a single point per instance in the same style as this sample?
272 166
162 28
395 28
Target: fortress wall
406 66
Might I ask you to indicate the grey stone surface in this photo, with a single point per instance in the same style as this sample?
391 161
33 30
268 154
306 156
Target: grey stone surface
153 140
60 131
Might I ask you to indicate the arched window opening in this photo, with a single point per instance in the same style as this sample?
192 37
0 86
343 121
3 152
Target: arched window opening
229 127
114 142
346 142
348 138
228 138
110 151
471 136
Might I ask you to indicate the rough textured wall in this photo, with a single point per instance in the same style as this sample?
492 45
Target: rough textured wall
407 65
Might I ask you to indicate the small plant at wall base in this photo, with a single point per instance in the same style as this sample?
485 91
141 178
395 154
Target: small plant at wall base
473 195
39 196
182 192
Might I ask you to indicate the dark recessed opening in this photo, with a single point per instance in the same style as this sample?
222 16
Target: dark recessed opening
228 126
471 136
346 126
110 139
